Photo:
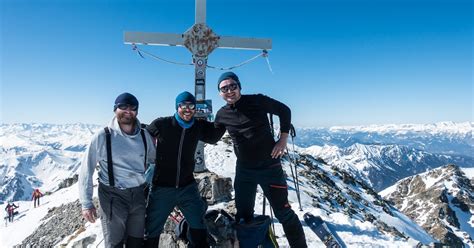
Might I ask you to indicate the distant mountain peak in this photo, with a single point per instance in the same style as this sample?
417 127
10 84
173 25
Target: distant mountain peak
440 200
383 165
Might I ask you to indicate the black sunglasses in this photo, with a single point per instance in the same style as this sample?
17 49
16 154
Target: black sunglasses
186 106
228 87
125 106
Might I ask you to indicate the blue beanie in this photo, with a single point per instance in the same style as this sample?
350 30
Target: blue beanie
126 98
185 97
228 75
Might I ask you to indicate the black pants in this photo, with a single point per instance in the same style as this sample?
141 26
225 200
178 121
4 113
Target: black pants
10 216
269 175
36 199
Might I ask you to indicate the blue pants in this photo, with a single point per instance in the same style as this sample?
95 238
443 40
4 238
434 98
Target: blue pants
162 201
269 175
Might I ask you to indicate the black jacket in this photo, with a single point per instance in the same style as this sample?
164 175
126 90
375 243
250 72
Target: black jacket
175 149
248 125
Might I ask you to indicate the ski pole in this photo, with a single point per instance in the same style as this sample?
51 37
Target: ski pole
294 161
295 179
271 215
99 242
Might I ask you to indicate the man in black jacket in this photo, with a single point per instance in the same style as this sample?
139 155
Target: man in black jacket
258 155
173 181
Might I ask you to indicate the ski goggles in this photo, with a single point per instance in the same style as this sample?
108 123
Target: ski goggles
186 106
228 87
125 106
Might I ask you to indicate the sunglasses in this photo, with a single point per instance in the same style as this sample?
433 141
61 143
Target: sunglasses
125 106
230 87
185 106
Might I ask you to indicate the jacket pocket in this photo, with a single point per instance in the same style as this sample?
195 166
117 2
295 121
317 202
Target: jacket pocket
279 196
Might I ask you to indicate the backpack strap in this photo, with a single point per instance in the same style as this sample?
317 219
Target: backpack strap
110 167
142 132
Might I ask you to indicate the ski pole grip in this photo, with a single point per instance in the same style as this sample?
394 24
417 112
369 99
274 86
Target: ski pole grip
292 131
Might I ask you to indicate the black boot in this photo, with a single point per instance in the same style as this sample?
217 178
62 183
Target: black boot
133 242
197 238
152 242
119 245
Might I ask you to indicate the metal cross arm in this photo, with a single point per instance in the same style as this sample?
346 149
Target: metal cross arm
157 39
244 43
167 39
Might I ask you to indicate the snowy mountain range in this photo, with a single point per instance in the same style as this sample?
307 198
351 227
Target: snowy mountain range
338 183
441 138
39 156
381 166
356 213
441 201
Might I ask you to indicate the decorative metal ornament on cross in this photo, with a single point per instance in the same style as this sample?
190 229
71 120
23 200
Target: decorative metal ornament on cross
200 40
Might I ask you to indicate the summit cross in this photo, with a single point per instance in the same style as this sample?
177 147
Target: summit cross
200 40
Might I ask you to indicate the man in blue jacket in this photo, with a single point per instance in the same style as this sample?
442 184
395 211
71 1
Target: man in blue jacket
258 155
173 182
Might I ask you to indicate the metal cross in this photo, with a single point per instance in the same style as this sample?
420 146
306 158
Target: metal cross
200 40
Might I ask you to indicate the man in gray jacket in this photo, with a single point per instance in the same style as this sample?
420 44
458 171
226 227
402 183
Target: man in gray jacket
122 151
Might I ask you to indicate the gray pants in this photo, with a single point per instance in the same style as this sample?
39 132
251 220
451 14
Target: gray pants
122 214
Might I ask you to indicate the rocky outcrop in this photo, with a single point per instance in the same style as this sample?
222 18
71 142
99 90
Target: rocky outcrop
59 223
214 188
432 199
327 194
68 182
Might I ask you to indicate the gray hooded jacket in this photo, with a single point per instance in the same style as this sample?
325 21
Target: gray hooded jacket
128 155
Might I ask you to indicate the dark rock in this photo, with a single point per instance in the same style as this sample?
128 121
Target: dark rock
68 182
214 188
58 223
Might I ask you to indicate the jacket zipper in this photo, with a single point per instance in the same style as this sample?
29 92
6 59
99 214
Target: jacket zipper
178 172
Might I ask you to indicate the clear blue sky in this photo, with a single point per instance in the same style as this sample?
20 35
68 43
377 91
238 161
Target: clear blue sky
335 62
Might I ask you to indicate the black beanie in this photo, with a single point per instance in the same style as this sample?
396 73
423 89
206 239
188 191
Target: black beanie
126 98
228 75
185 97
